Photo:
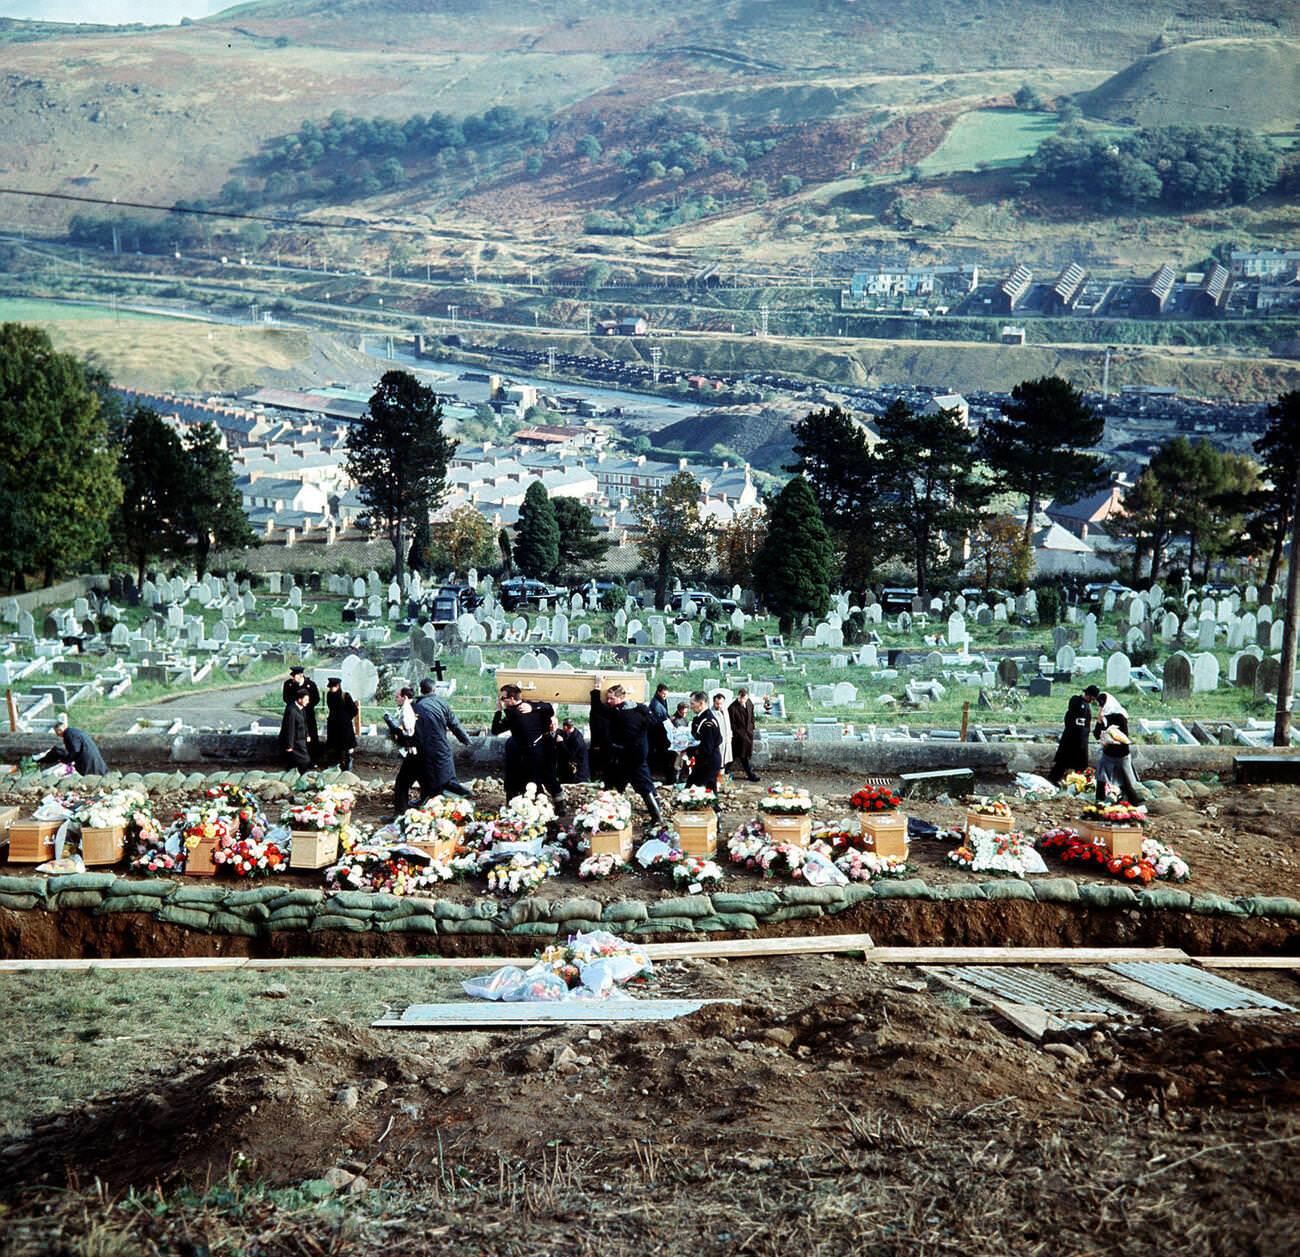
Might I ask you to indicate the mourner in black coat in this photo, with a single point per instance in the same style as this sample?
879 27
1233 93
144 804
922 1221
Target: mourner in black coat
293 733
340 724
79 750
530 755
1072 749
624 727
707 735
299 680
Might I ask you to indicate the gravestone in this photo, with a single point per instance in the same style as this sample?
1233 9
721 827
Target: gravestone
1264 615
1237 634
868 656
1000 613
1252 595
1008 673
1205 633
1108 602
1177 675
1134 640
1275 634
1119 672
374 609
658 631
845 694
584 633
560 628
119 637
295 598
1065 658
1137 612
221 632
1205 674
1060 636
983 617
10 611
358 588
1168 628
307 635
737 620
685 633
956 629
1242 669
1089 644
474 657
635 626
290 621
1040 687
1267 676
904 622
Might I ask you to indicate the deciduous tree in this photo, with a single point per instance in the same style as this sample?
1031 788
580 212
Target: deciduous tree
397 455
152 521
676 541
1000 554
793 569
738 545
461 541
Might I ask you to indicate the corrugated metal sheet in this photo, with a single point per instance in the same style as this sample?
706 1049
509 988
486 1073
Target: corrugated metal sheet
1023 984
1197 987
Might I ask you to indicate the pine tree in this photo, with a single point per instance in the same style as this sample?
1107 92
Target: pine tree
937 497
213 510
581 545
58 473
792 570
397 455
1279 448
832 452
537 535
1037 447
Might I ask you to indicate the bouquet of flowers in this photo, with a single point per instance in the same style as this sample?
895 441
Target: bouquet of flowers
605 813
838 836
394 872
250 857
783 800
420 825
599 960
520 874
695 799
530 812
986 851
204 825
1158 861
875 799
694 874
328 808
989 805
864 866
115 810
450 807
744 845
1116 813
1079 783
155 861
597 867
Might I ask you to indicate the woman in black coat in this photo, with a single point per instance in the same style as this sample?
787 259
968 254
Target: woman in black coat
1072 749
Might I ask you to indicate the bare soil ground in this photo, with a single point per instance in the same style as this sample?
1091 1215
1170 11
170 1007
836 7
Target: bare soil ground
838 1107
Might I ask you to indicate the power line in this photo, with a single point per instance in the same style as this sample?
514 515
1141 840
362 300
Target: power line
348 224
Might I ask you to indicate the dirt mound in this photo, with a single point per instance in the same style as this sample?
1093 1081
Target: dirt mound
270 1107
1251 83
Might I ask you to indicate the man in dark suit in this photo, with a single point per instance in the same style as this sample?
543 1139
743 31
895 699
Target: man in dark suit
741 713
433 720
340 725
79 749
707 735
299 680
293 733
530 757
624 728
571 754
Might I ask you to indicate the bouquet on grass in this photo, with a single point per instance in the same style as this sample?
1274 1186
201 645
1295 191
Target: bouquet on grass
783 800
420 825
520 874
597 960
155 861
875 799
694 874
695 799
1079 782
988 805
530 812
606 812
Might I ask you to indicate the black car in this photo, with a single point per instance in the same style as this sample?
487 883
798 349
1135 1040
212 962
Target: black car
520 591
703 600
897 599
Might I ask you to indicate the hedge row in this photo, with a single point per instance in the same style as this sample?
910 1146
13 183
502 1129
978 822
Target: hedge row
268 908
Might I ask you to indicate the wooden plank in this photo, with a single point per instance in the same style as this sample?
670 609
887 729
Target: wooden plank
1018 955
571 687
1247 962
741 947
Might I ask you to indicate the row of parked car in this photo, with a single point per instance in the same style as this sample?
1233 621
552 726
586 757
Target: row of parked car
520 593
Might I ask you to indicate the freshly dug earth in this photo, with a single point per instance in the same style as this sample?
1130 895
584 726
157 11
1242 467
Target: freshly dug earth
837 1107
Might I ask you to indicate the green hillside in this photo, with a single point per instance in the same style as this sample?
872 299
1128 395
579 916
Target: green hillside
1224 82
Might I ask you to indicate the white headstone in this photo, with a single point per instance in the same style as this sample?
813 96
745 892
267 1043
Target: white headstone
1168 628
685 633
1205 630
290 621
1119 672
956 629
1205 674
1275 635
1065 658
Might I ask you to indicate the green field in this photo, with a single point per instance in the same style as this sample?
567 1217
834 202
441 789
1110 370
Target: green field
990 137
29 310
